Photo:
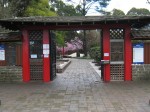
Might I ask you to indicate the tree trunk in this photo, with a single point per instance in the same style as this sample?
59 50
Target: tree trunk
78 53
84 43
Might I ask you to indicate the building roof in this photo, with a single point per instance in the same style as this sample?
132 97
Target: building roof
10 36
140 34
74 18
19 22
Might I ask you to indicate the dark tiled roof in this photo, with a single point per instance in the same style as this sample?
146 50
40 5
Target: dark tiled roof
19 22
10 37
140 34
74 18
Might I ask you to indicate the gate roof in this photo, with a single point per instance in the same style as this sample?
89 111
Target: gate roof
10 36
19 22
140 34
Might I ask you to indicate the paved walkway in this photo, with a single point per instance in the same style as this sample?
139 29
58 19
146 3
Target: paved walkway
78 89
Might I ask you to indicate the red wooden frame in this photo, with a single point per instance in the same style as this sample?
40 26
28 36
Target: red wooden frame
106 49
127 51
46 59
25 56
127 55
75 27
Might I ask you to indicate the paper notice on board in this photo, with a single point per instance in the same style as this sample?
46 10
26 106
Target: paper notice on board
45 51
33 55
46 55
138 55
2 54
46 46
106 54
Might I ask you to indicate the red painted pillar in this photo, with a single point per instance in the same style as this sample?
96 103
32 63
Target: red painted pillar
46 56
128 55
25 56
106 52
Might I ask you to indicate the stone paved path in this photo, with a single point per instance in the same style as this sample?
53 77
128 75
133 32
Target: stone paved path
78 89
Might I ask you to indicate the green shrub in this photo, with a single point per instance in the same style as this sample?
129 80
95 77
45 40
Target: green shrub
95 53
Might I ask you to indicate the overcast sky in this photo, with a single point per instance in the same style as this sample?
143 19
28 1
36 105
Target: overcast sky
124 5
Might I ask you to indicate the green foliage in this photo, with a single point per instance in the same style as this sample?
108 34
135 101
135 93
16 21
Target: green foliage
5 10
60 38
86 6
40 8
1 10
118 12
64 36
92 38
140 11
63 9
18 7
81 8
70 35
95 53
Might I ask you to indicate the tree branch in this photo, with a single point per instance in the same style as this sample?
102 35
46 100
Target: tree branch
89 6
148 1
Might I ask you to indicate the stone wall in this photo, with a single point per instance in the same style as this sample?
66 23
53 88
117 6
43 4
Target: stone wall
140 72
10 73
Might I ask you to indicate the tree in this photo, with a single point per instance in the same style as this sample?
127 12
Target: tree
5 9
60 38
117 12
64 36
63 9
140 11
40 8
84 6
18 7
13 8
1 9
81 9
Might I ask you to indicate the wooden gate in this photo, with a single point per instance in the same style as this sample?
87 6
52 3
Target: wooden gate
53 56
36 61
117 54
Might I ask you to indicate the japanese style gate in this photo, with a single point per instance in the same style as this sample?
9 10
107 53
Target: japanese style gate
39 51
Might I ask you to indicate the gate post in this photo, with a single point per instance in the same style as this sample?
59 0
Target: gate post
106 52
46 56
25 56
128 55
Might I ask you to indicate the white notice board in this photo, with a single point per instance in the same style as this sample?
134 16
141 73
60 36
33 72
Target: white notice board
138 53
2 55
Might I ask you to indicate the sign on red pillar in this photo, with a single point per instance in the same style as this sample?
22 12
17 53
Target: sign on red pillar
25 56
46 56
106 51
128 55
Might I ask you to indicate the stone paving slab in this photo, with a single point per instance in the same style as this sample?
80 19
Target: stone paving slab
78 89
